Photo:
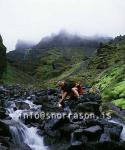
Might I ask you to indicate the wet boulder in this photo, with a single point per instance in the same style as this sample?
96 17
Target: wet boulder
76 145
122 145
67 129
41 100
113 130
41 93
93 132
22 105
3 114
3 90
19 147
30 117
4 129
3 147
52 136
107 145
5 141
52 92
53 124
104 138
78 135
88 107
51 129
91 97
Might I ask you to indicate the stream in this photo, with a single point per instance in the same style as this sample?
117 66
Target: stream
23 134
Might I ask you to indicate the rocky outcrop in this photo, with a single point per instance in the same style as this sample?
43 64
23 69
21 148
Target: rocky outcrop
3 62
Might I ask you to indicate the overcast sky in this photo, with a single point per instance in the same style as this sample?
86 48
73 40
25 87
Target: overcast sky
34 19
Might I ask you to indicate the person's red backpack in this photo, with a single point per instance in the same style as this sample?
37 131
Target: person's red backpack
80 90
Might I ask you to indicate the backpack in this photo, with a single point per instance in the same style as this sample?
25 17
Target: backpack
80 89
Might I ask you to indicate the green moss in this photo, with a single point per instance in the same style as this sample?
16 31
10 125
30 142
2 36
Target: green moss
112 83
120 103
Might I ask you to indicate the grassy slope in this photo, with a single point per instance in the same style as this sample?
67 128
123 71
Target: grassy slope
66 74
14 76
65 62
112 85
111 80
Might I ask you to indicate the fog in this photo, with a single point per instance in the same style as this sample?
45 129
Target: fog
34 19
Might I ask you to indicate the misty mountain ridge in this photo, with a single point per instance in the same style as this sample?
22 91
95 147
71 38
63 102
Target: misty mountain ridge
65 39
23 45
60 40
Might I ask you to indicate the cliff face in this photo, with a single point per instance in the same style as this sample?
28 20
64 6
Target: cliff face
3 62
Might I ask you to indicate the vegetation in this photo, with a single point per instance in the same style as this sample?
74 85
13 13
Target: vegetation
111 80
60 57
14 76
120 103
54 57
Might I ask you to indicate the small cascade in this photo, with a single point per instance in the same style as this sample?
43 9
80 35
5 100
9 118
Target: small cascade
122 136
23 134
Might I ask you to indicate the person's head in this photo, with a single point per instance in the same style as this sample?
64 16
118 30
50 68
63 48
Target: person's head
61 83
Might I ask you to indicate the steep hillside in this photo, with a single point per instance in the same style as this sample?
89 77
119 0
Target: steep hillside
55 55
2 57
106 57
107 68
15 76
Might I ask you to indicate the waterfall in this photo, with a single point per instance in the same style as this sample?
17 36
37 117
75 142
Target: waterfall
23 134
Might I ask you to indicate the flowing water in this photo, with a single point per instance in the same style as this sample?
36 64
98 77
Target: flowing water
122 136
23 134
29 135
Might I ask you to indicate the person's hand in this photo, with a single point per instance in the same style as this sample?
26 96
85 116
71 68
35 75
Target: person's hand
59 105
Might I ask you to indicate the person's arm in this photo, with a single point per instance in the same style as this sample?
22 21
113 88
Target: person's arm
63 97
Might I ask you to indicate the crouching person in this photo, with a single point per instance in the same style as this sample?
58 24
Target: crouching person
68 88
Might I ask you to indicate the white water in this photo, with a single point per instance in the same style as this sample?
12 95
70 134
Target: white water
22 133
122 136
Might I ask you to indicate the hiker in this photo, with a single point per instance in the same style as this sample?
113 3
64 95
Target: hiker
69 88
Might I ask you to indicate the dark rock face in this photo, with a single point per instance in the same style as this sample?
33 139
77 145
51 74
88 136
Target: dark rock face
3 114
5 135
3 62
88 107
4 129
